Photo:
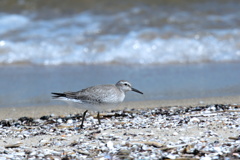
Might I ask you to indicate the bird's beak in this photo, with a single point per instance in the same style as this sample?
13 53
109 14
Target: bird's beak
135 90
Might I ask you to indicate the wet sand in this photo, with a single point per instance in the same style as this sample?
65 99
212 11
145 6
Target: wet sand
63 110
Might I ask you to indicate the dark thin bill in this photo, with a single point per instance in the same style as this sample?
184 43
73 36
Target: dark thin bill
135 90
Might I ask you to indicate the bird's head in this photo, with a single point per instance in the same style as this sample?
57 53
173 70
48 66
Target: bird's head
126 86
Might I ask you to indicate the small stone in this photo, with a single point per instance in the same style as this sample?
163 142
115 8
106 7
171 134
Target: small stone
70 121
175 133
195 120
60 120
110 145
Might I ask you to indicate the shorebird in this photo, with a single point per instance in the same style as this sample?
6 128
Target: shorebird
96 96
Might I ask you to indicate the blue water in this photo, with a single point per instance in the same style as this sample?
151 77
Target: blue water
32 85
168 49
127 32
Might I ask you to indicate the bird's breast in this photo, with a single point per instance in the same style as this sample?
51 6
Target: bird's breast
114 98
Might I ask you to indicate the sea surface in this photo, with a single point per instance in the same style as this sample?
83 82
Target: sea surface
168 49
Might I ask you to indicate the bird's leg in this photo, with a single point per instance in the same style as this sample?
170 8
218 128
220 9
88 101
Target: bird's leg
98 117
83 117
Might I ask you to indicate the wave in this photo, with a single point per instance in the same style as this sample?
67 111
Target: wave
88 38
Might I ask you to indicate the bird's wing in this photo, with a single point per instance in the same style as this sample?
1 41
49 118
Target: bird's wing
95 94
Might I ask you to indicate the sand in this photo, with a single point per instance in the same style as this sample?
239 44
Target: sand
36 112
210 133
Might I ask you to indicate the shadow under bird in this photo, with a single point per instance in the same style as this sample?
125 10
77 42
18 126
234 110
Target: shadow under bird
97 96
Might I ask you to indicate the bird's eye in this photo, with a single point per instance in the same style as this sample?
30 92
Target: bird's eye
126 84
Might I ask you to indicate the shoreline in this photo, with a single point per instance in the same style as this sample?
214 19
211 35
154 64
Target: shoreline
63 110
173 81
206 131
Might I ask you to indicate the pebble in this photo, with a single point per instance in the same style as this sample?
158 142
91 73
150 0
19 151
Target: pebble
195 120
110 145
175 133
70 121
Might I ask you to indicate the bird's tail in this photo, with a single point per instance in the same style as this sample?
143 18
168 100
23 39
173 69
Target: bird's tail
58 95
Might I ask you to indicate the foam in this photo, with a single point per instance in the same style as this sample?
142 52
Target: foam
87 38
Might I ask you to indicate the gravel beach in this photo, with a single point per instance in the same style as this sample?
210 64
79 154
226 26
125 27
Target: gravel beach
180 129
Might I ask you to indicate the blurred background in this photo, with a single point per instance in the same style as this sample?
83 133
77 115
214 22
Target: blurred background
168 49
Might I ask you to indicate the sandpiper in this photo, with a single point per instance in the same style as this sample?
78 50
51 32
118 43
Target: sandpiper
98 96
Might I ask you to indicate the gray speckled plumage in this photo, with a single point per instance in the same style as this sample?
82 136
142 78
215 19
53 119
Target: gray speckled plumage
98 94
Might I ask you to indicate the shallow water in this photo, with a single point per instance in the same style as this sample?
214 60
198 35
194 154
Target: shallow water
32 85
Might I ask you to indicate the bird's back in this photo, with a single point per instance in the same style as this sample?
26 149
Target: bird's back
99 94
